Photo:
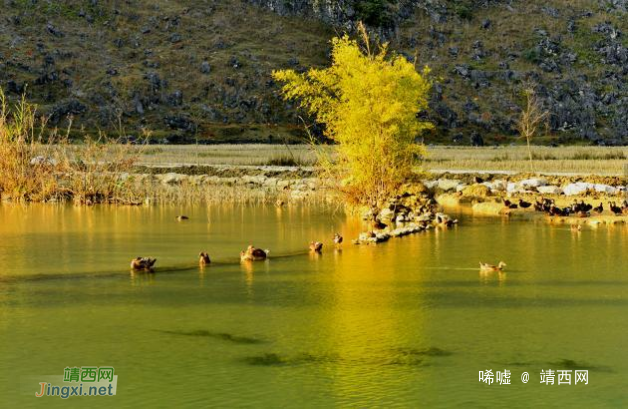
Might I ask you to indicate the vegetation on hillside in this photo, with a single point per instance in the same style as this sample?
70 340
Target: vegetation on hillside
201 71
368 101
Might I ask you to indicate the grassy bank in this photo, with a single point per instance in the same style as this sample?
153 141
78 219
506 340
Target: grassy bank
132 174
583 160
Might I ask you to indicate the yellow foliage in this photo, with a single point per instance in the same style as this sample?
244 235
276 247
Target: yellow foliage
369 103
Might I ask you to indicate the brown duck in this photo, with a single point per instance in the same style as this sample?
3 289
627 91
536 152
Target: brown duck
487 268
203 259
316 247
143 264
253 254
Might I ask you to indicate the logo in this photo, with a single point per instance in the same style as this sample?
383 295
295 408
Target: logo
83 381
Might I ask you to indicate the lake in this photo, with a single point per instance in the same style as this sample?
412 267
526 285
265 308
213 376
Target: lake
409 323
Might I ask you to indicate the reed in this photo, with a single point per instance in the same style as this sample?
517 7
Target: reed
28 166
39 165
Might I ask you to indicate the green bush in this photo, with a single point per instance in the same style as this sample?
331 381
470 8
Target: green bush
463 9
375 12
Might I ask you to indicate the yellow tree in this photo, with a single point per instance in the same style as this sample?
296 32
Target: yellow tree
369 102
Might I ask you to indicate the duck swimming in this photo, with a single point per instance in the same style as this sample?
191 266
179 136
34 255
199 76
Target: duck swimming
316 247
338 239
143 264
485 267
253 254
203 259
182 218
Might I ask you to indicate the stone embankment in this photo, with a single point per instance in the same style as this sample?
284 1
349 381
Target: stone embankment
414 211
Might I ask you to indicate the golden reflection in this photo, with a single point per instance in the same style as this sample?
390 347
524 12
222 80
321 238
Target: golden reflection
142 279
248 268
201 275
488 277
363 324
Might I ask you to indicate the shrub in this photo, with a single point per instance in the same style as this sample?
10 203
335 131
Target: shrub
369 103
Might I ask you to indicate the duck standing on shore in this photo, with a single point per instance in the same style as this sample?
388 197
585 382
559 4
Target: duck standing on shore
143 264
253 254
378 225
203 259
488 268
523 204
510 204
599 209
616 210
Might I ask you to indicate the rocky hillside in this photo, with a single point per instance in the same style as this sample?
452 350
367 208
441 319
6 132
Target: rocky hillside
200 70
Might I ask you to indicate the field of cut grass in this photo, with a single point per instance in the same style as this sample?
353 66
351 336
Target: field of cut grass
236 155
583 160
576 159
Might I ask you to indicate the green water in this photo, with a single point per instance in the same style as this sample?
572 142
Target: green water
407 324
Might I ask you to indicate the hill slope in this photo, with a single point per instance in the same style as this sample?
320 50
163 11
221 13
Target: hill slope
192 70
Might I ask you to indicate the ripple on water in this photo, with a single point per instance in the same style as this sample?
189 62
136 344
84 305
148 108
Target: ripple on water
235 339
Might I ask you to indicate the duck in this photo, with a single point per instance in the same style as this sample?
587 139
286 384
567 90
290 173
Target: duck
599 209
510 204
485 267
547 204
557 211
203 259
338 239
445 221
253 254
316 247
182 218
378 225
143 264
523 204
279 203
617 211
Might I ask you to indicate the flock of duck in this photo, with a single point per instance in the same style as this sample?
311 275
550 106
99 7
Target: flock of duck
252 253
548 206
581 209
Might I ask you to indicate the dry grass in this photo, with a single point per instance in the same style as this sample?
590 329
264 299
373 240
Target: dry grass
27 166
585 160
571 159
39 166
237 155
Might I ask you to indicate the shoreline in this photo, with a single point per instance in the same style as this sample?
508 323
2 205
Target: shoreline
164 184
